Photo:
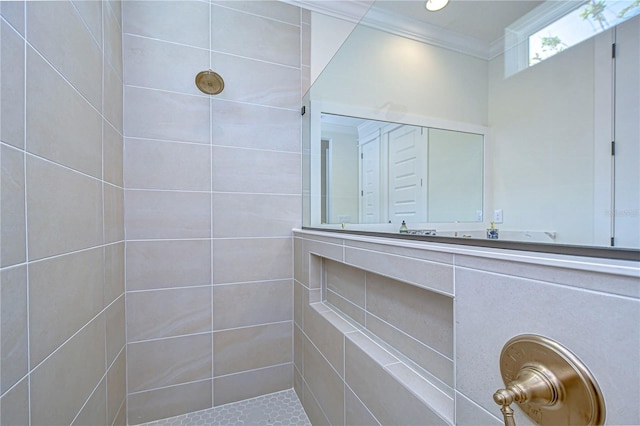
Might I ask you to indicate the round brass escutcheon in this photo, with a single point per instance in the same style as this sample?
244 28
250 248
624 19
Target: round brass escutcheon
573 396
209 82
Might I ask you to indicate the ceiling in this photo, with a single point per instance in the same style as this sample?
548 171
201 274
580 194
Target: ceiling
479 19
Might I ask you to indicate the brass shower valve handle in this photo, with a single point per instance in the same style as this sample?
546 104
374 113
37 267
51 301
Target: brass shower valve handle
549 383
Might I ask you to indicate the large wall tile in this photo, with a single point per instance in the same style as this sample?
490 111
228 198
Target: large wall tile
115 329
275 10
237 124
11 83
246 304
113 272
258 82
112 155
164 362
116 387
250 348
66 291
167 214
13 12
164 313
270 259
153 164
422 314
154 114
161 65
64 209
184 22
113 37
13 331
168 402
255 215
113 213
76 138
162 264
113 98
13 231
254 36
345 280
250 384
94 411
54 30
244 170
600 329
14 405
91 14
76 367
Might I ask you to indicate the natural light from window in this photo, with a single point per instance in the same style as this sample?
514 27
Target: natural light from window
589 19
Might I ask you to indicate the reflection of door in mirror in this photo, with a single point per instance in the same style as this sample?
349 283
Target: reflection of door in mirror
407 174
370 179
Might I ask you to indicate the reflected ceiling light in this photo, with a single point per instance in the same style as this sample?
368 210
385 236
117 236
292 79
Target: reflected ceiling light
434 5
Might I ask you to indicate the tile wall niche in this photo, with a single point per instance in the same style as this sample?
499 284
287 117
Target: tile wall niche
212 191
62 229
396 332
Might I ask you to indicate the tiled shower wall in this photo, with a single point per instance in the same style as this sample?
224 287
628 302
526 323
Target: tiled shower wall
62 230
212 191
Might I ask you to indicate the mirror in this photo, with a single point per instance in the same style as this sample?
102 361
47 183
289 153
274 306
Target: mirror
547 105
379 172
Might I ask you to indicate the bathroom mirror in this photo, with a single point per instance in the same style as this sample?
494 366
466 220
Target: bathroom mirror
548 101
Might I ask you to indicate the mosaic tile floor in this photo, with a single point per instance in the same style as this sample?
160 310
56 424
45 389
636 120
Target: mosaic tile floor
279 409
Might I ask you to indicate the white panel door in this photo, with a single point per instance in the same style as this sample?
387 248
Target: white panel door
370 180
627 135
407 174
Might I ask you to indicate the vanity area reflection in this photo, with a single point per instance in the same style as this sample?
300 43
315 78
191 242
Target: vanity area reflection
547 175
375 172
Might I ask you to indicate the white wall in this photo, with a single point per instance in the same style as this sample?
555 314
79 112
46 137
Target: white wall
344 173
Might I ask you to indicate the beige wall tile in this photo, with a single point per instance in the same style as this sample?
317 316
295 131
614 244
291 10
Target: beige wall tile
574 318
250 384
115 329
113 150
167 214
242 170
113 213
153 164
113 37
79 364
327 338
91 14
274 10
13 231
298 349
161 264
162 65
345 280
325 384
14 405
365 377
355 412
169 21
250 348
116 9
13 12
95 410
113 98
165 362
76 138
257 82
237 124
113 272
425 315
168 116
116 387
164 313
431 275
169 402
312 408
13 321
270 259
54 30
255 215
246 304
64 294
12 81
64 209
254 36
469 413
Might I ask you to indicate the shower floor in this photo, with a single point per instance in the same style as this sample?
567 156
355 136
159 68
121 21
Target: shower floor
280 409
